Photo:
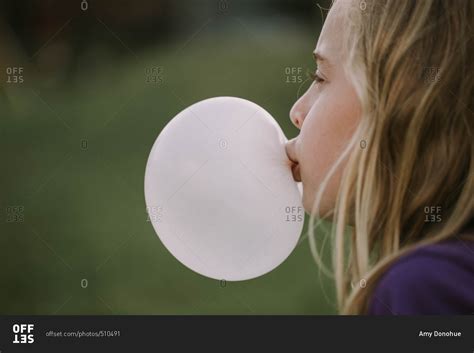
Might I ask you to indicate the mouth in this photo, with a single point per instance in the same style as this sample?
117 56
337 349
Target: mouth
295 166
295 170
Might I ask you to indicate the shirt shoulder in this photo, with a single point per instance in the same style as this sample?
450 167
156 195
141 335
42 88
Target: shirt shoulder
433 279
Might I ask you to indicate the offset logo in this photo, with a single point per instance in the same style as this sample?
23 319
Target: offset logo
23 333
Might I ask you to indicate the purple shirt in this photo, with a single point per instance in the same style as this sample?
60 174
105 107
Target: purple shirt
434 279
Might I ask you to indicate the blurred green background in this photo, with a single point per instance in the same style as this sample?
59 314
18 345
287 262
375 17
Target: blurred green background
85 93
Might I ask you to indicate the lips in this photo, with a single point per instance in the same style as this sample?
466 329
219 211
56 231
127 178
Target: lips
295 166
295 170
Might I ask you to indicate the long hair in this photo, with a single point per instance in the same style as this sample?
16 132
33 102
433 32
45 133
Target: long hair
409 177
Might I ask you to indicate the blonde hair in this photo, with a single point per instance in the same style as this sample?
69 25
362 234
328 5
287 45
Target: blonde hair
411 64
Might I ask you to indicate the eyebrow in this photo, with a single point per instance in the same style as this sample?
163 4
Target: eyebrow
318 57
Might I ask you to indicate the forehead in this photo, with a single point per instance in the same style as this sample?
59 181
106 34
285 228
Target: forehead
330 39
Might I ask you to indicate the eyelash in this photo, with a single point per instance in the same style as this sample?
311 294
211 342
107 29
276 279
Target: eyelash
315 77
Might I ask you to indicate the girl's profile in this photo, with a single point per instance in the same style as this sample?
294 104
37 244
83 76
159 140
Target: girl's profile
390 113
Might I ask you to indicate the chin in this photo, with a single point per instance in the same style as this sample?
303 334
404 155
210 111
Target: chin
308 203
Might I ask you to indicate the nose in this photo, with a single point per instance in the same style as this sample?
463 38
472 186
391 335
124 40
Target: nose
299 111
296 117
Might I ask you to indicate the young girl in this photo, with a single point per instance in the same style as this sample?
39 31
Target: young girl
386 146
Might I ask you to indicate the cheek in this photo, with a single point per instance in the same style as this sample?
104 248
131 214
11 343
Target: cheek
326 130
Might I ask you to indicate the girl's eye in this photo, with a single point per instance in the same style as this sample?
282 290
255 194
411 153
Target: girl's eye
315 77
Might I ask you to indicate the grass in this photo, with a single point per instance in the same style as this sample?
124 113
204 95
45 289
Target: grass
74 158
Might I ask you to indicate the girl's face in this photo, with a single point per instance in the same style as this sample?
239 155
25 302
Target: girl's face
327 115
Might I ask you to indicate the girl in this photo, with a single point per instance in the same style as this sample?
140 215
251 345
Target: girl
386 146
